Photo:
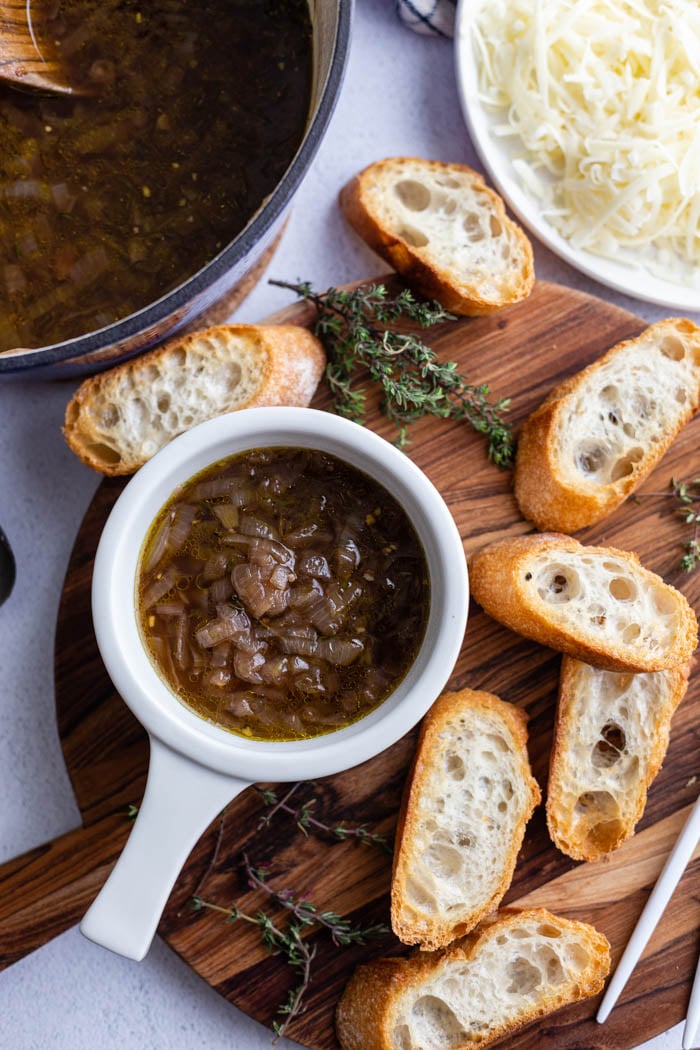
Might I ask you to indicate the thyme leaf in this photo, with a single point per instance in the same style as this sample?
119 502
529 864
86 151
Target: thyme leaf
287 942
287 939
306 821
686 495
356 329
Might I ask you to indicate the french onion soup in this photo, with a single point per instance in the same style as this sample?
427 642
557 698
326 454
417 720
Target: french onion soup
282 593
110 199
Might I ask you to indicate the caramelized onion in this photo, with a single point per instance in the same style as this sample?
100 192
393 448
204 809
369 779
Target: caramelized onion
313 564
227 513
284 625
214 632
159 586
340 652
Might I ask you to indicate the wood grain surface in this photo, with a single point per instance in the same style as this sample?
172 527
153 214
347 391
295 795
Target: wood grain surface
521 352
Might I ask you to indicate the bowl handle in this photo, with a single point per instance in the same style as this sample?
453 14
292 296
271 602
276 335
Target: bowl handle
181 799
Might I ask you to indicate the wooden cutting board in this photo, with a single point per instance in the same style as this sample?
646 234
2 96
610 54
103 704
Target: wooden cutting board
521 352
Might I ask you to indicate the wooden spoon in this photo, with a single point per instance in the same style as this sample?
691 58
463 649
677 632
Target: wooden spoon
29 59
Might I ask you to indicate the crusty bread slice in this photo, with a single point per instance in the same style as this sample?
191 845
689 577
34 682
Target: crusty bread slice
468 799
514 968
610 739
117 420
443 230
597 604
599 434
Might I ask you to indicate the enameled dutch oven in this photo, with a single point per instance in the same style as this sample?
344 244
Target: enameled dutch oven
211 284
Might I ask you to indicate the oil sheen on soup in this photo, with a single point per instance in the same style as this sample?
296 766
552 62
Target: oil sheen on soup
283 593
111 199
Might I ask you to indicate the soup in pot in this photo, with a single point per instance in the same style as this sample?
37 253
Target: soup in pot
283 593
110 200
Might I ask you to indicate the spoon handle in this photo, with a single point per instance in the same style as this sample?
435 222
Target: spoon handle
653 910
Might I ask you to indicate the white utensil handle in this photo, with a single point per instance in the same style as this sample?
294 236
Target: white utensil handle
181 799
661 894
692 1020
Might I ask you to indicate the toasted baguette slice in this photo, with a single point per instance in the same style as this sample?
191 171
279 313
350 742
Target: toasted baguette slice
443 230
610 739
514 968
599 434
597 604
117 420
468 799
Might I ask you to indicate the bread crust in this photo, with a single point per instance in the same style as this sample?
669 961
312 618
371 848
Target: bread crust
433 739
368 1009
549 492
460 293
286 364
498 581
591 840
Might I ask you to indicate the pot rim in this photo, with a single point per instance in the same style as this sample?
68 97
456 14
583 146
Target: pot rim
237 249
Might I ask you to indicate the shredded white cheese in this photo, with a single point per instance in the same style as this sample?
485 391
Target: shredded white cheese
602 100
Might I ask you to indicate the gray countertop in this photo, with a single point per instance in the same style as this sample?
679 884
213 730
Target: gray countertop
398 98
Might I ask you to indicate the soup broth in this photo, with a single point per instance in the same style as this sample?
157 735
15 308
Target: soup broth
111 200
283 593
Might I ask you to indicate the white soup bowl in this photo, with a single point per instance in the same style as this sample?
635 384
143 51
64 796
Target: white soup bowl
197 767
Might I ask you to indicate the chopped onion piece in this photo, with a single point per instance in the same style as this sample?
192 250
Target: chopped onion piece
214 567
221 655
301 640
220 590
340 652
227 514
239 705
313 564
217 678
181 525
304 595
159 544
169 609
160 586
214 632
310 683
275 671
347 555
181 650
251 526
248 666
238 617
214 488
281 576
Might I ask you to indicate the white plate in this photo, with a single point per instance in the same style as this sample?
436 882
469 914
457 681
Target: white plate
624 276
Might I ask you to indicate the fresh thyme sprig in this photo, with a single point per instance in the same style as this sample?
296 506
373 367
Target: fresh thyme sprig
356 330
687 496
288 941
305 821
303 916
306 913
688 493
